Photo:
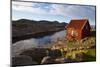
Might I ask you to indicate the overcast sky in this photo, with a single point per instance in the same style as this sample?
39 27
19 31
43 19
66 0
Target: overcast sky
52 12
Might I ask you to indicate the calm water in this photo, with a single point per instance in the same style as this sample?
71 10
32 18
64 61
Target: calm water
35 42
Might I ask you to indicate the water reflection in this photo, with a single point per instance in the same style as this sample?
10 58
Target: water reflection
34 42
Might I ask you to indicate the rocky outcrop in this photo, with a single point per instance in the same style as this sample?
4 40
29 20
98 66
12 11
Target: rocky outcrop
51 57
36 53
22 60
55 53
40 55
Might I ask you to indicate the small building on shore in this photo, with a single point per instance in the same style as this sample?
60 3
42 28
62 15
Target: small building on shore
77 29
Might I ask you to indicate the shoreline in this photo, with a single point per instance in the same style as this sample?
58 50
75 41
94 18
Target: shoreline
23 29
34 35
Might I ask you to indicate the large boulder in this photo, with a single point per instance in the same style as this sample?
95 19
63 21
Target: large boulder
36 53
22 60
55 53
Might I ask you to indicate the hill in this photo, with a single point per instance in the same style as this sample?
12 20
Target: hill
24 28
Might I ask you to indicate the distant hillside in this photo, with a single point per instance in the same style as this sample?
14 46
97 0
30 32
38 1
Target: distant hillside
93 27
31 28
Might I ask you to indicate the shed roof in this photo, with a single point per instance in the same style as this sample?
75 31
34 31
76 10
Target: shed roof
77 23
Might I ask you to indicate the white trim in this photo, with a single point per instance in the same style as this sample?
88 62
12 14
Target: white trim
84 24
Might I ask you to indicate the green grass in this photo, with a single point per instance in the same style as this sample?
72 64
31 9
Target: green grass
90 55
87 55
92 52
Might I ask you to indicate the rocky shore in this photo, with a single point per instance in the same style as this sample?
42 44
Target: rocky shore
40 55
36 56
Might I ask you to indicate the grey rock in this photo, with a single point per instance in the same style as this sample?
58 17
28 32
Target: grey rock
36 53
22 60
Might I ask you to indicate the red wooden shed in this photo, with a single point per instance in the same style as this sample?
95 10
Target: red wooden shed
78 29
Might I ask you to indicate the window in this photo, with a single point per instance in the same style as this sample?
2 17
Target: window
74 33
